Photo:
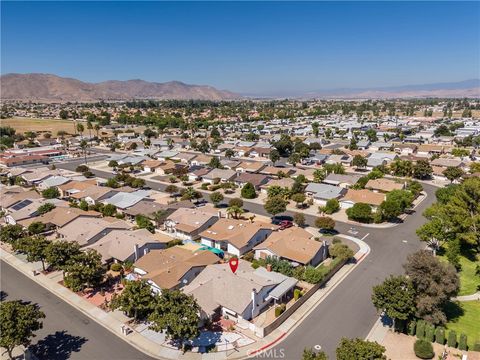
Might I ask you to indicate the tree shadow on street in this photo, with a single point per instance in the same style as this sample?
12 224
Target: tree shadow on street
59 345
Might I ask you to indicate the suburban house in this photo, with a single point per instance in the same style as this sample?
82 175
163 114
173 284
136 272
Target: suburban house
257 180
321 193
342 180
223 175
87 231
352 197
241 296
340 159
274 170
75 186
250 166
236 236
53 181
283 182
126 245
184 158
293 244
28 209
201 160
16 200
93 194
174 267
196 173
383 185
122 200
380 158
428 150
59 217
151 165
187 224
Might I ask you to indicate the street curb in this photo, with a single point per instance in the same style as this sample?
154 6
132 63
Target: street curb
83 311
279 339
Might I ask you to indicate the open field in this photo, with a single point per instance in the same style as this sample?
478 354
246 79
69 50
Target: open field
467 322
38 125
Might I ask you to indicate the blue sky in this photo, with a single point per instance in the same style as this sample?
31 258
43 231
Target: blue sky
248 47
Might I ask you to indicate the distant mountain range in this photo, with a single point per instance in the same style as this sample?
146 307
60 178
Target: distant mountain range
467 88
53 88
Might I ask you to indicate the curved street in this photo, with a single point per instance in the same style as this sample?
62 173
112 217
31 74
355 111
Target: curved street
346 312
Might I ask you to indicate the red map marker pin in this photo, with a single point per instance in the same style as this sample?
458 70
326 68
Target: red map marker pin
233 262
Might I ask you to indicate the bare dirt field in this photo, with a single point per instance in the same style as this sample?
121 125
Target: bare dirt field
39 125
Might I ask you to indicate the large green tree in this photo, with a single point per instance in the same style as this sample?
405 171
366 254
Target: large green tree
18 323
275 205
34 248
176 314
59 253
136 300
84 270
310 354
11 233
435 282
453 173
248 191
358 349
422 170
396 297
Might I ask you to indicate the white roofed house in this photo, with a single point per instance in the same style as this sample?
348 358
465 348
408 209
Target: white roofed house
342 180
236 236
250 291
124 200
187 224
380 158
321 193
52 181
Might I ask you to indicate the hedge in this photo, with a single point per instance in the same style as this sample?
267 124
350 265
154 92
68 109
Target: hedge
423 349
297 294
280 309
116 267
452 339
462 343
440 335
420 331
430 333
411 328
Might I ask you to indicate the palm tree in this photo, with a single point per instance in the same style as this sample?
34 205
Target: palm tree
90 127
97 129
235 211
83 146
434 245
80 128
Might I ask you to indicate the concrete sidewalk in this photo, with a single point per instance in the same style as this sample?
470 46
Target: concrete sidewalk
113 321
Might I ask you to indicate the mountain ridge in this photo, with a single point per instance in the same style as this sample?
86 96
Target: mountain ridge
54 88
465 88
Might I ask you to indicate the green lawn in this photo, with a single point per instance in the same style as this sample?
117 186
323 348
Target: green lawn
468 322
468 280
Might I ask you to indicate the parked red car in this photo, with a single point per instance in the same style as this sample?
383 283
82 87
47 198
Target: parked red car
285 224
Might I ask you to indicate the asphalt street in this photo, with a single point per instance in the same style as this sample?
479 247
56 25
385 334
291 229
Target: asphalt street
67 333
346 312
